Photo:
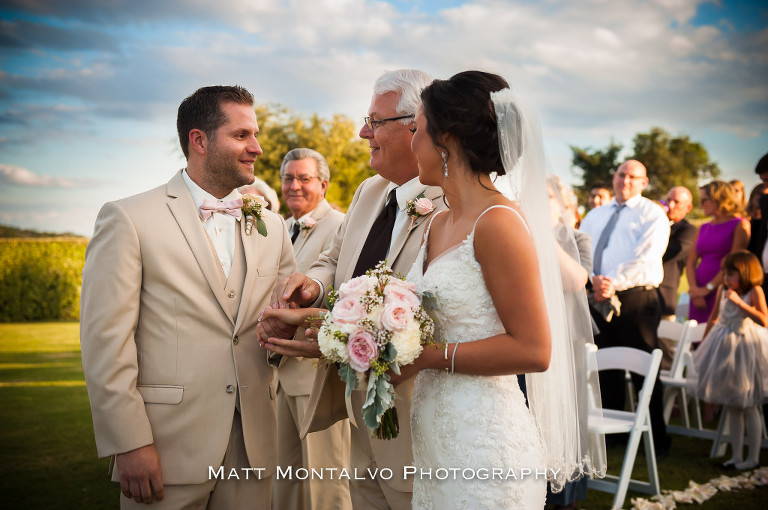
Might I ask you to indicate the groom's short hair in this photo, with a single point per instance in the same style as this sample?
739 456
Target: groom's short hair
202 110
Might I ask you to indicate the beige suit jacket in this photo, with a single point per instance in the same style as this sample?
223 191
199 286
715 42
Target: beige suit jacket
165 353
296 375
334 267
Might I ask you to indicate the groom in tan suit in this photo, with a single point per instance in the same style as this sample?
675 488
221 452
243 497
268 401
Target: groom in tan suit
305 175
395 99
181 393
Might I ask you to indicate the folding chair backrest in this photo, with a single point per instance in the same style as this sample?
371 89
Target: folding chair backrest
683 345
634 360
696 333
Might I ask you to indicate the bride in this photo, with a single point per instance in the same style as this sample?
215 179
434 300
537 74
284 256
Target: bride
484 260
491 263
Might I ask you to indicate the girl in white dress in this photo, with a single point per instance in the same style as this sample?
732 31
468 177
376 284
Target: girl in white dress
732 361
491 267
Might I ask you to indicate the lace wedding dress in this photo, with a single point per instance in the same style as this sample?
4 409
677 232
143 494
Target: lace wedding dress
478 425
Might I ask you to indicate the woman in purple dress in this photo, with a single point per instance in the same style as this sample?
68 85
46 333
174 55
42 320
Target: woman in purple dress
725 234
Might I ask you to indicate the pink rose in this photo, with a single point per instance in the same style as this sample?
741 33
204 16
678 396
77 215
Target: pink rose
395 315
348 310
357 287
309 222
402 291
423 206
361 349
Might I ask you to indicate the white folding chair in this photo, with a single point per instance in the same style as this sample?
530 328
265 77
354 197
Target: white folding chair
673 379
638 423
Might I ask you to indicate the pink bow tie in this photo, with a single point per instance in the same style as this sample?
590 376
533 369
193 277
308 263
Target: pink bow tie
233 207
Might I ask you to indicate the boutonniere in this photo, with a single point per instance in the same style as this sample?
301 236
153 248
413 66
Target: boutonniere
418 207
306 225
252 205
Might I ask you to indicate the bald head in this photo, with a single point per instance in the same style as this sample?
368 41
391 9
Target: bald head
679 202
629 180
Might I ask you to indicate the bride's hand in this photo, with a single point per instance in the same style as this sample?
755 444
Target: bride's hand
407 371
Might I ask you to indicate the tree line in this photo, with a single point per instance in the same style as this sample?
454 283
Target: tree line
670 160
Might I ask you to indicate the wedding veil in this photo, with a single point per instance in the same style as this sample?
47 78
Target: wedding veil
559 397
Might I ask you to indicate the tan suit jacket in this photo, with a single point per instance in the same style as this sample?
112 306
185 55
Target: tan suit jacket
296 375
334 267
165 353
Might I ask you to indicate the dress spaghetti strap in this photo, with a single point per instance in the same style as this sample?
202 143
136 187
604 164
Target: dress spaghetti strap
505 207
429 225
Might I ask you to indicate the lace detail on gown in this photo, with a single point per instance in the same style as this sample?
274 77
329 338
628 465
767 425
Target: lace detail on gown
475 423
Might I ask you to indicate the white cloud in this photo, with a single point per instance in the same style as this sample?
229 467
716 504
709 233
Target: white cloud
596 70
23 177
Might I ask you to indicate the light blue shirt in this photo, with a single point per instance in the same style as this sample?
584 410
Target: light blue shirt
633 256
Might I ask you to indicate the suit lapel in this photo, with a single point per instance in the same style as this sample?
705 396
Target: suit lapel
251 246
432 193
183 209
376 197
318 214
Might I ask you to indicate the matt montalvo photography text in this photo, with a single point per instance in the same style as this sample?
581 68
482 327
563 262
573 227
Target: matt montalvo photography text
334 473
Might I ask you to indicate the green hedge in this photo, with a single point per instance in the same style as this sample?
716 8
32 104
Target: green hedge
40 279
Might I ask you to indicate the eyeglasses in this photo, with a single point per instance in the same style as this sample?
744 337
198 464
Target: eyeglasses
303 179
374 123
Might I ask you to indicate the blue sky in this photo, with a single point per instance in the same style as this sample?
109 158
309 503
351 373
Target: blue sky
88 92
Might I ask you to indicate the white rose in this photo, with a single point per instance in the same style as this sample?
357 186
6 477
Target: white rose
407 342
331 347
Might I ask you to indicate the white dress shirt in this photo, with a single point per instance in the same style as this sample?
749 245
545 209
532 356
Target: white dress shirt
219 227
633 256
290 220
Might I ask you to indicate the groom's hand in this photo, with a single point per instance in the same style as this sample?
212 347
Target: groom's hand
140 475
270 326
296 288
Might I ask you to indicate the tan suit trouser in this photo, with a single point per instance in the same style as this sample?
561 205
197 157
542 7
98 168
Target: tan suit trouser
327 448
231 494
370 494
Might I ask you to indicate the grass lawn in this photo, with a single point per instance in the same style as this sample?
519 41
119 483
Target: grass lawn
48 456
47 452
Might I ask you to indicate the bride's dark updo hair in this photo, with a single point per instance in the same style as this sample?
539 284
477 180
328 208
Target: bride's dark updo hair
462 106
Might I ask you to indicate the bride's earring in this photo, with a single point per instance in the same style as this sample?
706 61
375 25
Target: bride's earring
445 163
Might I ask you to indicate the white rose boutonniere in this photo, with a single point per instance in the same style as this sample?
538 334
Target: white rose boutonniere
306 225
418 207
252 205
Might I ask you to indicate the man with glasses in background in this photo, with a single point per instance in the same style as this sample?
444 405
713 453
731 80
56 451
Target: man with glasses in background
629 236
304 174
376 227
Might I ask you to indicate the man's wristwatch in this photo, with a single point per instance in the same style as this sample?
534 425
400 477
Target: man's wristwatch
710 287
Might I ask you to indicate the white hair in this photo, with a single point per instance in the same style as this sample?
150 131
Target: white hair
304 153
408 83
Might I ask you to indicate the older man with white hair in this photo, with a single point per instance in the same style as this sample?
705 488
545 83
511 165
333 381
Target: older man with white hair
377 227
305 175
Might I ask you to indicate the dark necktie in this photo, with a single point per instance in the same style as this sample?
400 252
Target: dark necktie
377 244
295 231
605 236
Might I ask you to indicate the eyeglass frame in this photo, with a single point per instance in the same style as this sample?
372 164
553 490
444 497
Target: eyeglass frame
303 179
374 123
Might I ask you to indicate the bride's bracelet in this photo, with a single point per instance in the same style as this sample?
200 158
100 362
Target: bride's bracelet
453 356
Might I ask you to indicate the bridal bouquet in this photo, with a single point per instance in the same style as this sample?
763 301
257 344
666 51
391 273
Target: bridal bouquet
376 323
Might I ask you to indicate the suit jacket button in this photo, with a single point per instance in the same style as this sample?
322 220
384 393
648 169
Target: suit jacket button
231 294
230 388
236 340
